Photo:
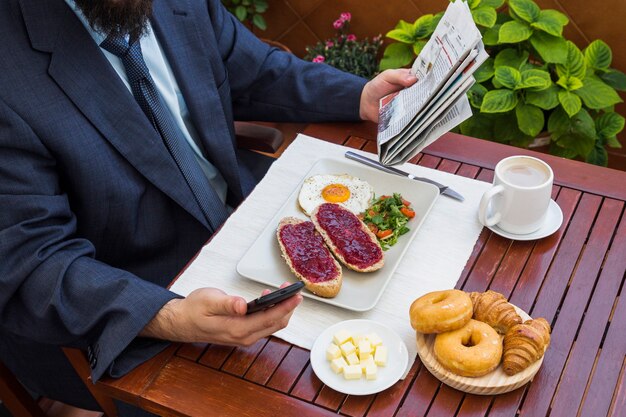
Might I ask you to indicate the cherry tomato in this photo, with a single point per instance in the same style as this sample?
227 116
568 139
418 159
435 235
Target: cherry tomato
407 212
382 234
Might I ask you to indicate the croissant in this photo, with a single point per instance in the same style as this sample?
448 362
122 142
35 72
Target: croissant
525 344
492 308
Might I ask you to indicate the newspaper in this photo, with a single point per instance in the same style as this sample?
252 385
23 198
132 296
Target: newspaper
413 118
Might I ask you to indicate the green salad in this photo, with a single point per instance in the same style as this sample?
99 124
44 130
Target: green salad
387 218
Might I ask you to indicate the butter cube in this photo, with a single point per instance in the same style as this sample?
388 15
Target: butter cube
341 337
374 339
356 339
366 362
347 348
371 371
352 359
338 365
380 357
365 349
352 372
333 352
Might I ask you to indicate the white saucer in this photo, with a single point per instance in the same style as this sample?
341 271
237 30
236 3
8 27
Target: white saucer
554 219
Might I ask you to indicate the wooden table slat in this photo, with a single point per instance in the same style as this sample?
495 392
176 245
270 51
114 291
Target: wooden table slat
178 384
191 351
357 405
581 358
268 360
541 258
308 385
386 402
488 263
429 161
420 394
242 357
582 283
468 171
449 166
216 355
618 405
329 398
446 402
289 369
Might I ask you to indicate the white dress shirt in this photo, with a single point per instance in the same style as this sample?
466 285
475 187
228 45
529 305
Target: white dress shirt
166 84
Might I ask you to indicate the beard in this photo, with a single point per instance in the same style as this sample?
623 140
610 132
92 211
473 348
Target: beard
122 16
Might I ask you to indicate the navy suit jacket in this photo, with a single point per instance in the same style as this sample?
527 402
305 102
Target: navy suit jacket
94 222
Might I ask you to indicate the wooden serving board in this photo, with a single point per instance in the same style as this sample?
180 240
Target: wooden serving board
495 382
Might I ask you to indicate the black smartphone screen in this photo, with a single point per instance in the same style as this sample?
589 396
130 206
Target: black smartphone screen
274 297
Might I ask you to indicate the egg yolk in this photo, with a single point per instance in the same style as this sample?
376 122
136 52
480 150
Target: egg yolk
335 193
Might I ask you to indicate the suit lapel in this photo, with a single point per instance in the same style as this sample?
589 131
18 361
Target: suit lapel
85 75
190 60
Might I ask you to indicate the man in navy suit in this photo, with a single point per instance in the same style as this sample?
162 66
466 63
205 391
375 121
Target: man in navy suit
97 213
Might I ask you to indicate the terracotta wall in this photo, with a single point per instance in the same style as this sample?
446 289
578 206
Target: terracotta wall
298 23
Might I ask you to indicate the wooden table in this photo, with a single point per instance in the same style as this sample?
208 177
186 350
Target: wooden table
572 278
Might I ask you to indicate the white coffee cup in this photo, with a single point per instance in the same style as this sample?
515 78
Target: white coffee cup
519 199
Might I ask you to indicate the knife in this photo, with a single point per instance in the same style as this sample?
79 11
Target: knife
443 189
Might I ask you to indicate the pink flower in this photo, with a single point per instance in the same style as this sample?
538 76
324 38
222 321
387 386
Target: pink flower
319 58
338 24
351 37
330 44
345 17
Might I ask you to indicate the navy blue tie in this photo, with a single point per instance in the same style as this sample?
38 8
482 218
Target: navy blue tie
150 101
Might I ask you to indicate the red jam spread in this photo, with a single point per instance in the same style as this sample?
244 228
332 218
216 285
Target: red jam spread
346 233
307 252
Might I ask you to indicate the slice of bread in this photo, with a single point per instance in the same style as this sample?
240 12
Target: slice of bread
322 277
347 226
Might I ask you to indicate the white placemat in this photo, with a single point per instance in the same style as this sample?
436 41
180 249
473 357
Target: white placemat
434 260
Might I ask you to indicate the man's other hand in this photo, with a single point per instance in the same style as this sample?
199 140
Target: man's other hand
209 315
385 83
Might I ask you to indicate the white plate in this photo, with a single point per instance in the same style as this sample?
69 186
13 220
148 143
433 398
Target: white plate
263 263
397 361
554 219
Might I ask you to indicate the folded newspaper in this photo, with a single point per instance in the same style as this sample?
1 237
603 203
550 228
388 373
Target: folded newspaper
415 117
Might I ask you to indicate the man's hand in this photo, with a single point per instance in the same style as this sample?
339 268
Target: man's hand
386 82
209 315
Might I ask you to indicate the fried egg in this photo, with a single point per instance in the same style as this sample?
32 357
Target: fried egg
346 190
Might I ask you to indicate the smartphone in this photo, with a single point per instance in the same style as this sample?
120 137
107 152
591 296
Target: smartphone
275 297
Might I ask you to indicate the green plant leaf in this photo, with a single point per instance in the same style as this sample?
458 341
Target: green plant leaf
396 55
613 142
596 94
490 37
480 125
598 55
484 16
546 99
499 101
259 21
557 150
492 3
598 155
260 6
571 102
525 9
475 95
485 71
570 83
435 22
508 77
506 131
423 26
418 46
241 12
473 3
609 125
530 119
401 35
574 64
615 79
577 133
552 49
535 79
514 32
551 22
405 26
511 57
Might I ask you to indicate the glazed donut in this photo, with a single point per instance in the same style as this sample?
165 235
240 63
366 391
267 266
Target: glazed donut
441 311
473 350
